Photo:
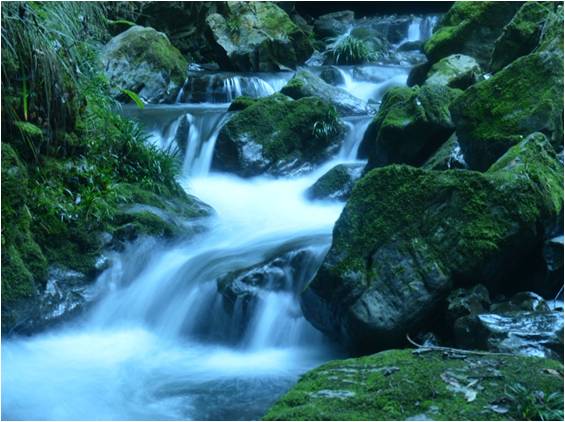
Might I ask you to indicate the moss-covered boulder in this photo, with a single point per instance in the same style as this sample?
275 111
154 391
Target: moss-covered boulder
144 61
448 156
427 385
455 71
410 125
337 183
257 36
333 24
524 97
278 135
470 28
306 84
520 36
387 270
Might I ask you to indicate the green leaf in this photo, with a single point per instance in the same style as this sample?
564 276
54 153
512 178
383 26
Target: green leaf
136 99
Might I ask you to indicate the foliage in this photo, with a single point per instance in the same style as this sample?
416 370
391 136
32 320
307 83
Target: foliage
351 50
327 128
535 405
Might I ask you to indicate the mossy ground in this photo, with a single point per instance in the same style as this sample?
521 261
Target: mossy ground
399 384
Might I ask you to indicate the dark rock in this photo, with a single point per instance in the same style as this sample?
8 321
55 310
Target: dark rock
455 71
464 302
277 135
470 28
332 76
306 84
257 36
410 125
524 97
407 385
410 46
526 333
333 24
337 183
418 73
520 36
143 60
407 236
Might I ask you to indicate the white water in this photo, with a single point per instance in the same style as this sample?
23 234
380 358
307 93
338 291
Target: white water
160 343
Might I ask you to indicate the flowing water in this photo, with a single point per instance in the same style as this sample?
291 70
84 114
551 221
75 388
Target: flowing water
160 342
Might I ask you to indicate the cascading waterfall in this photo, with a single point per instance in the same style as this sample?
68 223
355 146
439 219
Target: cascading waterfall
166 340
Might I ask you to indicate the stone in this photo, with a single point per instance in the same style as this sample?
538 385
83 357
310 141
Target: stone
455 71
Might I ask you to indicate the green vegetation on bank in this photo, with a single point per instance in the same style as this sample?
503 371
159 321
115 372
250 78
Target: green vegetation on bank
70 162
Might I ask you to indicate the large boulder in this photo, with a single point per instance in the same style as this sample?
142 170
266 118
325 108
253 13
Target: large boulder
143 60
524 97
334 24
306 84
407 236
278 135
520 36
427 385
257 36
455 71
470 28
337 183
410 125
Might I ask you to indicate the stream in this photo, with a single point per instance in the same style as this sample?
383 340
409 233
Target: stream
158 343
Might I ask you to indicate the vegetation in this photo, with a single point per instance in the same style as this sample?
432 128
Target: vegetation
68 158
351 50
401 384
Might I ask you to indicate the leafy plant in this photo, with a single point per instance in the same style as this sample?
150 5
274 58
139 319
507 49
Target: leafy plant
535 405
350 50
326 129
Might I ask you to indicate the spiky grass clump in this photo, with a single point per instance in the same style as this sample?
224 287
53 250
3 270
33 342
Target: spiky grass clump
351 50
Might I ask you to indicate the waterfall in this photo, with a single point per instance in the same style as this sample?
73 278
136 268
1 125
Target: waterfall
208 327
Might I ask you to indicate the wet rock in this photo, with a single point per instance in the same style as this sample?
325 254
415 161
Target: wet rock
448 156
524 97
522 301
277 135
306 84
332 76
337 183
525 333
410 46
520 36
425 386
464 302
257 36
333 24
387 271
418 74
455 71
410 125
470 28
143 60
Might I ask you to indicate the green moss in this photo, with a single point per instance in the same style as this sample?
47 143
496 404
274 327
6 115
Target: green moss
17 280
520 36
470 28
147 45
282 126
241 103
524 97
29 129
398 384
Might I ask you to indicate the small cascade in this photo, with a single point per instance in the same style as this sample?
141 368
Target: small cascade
356 127
415 30
203 87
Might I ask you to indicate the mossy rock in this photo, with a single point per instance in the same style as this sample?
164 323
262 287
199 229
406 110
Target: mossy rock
524 97
144 61
257 36
306 84
470 28
277 135
241 103
520 36
410 125
407 385
448 156
337 183
455 71
407 236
